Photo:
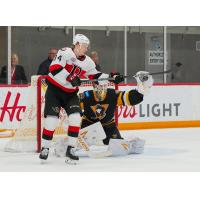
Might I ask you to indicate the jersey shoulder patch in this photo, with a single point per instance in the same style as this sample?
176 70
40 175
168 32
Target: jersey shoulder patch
87 94
68 54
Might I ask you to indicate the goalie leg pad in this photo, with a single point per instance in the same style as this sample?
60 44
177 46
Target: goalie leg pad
121 147
93 134
118 147
136 146
88 136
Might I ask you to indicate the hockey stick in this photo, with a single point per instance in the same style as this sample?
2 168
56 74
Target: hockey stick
93 80
132 76
144 78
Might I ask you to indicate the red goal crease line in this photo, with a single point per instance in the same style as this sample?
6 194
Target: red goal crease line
158 125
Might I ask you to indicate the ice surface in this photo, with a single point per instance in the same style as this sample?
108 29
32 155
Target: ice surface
165 150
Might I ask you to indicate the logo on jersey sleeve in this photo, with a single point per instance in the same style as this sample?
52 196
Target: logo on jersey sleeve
99 110
73 59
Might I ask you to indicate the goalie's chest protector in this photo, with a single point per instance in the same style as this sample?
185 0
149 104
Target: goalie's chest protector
99 110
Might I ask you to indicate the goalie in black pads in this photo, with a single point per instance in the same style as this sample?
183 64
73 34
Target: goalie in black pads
99 106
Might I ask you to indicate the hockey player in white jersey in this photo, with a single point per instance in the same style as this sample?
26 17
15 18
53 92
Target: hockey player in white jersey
63 81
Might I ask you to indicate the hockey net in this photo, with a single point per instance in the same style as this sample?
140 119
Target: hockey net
28 137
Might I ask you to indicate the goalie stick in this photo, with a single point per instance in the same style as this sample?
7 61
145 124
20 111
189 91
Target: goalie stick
134 76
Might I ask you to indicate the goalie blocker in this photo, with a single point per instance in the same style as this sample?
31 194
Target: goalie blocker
94 135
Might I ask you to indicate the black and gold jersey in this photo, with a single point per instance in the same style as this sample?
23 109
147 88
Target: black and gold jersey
94 110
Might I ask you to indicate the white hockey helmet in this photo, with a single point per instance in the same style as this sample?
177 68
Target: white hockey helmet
80 38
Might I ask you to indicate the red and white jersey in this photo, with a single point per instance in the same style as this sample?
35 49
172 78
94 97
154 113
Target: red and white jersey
66 66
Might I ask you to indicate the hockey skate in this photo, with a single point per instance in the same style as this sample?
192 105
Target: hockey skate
44 153
70 157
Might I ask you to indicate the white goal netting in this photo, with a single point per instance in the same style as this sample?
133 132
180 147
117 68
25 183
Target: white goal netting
28 137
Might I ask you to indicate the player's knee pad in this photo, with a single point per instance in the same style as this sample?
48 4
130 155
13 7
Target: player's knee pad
74 119
50 122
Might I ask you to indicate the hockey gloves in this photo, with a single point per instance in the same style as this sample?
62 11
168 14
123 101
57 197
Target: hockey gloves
144 82
142 75
117 77
75 81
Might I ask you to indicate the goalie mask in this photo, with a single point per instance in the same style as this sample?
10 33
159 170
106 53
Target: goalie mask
100 90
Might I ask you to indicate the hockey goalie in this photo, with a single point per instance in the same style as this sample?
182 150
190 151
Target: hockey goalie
98 123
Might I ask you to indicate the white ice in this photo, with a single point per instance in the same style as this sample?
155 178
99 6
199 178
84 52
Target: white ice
165 150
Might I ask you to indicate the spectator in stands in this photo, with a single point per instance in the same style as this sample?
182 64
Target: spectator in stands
43 68
17 72
94 56
177 75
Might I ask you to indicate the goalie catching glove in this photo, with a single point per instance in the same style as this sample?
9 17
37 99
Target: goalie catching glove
144 81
